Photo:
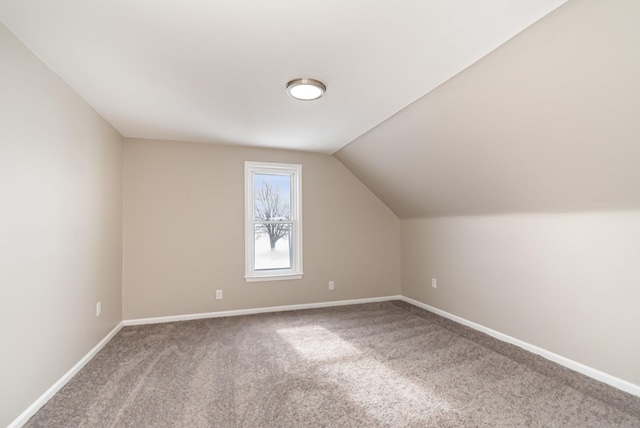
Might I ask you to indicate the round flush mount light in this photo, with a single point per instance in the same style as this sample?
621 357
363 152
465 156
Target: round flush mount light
306 89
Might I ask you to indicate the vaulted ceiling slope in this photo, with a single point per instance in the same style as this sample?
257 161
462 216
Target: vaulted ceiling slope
215 70
549 122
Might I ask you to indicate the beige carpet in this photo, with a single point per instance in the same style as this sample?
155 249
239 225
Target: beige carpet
375 365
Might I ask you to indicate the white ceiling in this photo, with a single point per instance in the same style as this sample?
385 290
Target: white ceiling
215 70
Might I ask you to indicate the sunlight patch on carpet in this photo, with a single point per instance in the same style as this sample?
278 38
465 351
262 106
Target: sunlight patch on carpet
384 393
316 343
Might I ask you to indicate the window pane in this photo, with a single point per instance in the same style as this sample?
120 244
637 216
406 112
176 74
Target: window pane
273 246
272 197
273 221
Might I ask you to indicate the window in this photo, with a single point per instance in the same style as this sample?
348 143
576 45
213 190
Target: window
273 221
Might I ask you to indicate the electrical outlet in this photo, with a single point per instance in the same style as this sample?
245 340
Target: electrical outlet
98 308
331 285
218 294
434 283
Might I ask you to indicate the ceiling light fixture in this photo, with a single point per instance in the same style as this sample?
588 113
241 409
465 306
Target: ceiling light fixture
306 89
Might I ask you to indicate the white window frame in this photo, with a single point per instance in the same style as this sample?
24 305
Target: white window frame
295 171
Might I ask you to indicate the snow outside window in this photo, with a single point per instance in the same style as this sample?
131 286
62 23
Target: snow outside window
273 221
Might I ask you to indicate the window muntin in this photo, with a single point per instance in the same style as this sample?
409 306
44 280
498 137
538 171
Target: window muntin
273 221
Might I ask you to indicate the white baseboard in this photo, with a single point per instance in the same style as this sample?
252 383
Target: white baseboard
173 318
573 365
42 400
563 361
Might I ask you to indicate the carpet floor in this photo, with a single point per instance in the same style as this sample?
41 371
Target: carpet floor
374 365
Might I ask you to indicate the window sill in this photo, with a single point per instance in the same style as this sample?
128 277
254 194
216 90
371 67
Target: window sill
279 277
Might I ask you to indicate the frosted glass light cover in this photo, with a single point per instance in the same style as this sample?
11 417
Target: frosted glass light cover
306 89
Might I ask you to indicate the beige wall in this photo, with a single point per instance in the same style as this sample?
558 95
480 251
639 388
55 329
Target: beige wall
60 227
548 122
184 232
568 283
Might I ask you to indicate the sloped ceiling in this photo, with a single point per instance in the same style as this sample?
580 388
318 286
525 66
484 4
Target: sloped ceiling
215 70
549 122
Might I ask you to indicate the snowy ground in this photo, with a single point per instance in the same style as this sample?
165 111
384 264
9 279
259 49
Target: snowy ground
276 259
